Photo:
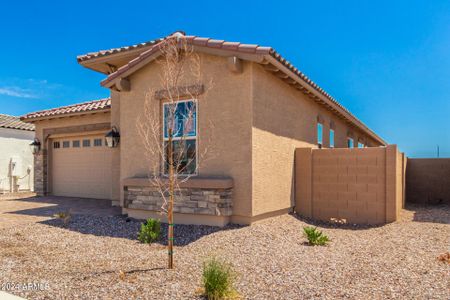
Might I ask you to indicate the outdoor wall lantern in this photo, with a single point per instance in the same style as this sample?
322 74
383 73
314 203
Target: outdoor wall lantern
35 146
112 138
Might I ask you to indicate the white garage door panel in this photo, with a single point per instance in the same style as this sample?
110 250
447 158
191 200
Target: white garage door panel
81 172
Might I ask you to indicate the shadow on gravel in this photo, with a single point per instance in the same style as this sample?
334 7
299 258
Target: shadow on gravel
439 213
128 228
48 206
332 225
95 274
97 217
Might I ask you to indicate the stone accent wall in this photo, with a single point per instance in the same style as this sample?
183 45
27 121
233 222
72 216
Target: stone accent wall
207 201
40 173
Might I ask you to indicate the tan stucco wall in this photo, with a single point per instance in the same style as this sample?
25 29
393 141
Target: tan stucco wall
70 121
362 186
115 168
284 119
226 105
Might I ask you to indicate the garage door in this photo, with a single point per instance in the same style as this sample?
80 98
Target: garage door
81 167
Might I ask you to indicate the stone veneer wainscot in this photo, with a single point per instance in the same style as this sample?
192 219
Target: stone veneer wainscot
205 196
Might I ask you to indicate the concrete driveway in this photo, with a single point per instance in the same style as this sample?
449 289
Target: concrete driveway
19 210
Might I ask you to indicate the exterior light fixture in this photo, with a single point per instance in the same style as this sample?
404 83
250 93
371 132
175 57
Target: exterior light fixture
35 146
112 138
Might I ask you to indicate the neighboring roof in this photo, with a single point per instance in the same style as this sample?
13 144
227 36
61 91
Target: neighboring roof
12 122
266 56
79 108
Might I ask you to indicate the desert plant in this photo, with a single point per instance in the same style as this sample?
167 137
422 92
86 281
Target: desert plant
315 237
65 216
150 231
445 257
218 278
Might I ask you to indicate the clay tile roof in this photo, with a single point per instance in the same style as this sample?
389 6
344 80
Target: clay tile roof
232 47
102 53
12 122
90 106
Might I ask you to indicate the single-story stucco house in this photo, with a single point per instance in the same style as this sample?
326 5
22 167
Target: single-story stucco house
16 158
263 109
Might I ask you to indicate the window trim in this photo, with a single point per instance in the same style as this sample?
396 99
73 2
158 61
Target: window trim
164 139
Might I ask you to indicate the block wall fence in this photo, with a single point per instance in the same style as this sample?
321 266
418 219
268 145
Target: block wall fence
356 186
428 180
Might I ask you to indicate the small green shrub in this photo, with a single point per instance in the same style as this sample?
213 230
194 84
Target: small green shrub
65 216
315 237
150 231
218 279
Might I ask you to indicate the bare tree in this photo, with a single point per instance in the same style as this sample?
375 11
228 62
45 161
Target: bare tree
169 131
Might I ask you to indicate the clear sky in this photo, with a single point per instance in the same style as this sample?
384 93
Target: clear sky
388 62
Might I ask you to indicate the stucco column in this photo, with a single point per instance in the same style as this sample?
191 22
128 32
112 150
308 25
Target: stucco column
391 184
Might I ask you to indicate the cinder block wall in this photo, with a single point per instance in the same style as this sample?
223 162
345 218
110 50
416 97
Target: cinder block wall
428 180
362 186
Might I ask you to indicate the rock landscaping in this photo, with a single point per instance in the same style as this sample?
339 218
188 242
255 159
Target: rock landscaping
99 257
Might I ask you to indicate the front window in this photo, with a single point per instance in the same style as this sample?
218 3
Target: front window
350 143
319 134
331 138
180 123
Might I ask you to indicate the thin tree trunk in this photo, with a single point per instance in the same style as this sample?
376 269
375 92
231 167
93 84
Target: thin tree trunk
171 196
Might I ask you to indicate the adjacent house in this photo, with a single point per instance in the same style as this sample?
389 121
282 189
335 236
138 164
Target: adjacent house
16 159
263 109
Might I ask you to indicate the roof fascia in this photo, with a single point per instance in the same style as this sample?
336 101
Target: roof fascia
92 62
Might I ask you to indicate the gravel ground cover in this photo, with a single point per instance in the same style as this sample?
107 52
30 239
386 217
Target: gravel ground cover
98 257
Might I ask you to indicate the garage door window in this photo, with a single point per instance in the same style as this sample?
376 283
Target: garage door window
56 145
76 144
66 144
97 142
86 143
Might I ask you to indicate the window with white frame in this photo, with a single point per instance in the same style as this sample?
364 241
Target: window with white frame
350 143
320 134
180 119
331 138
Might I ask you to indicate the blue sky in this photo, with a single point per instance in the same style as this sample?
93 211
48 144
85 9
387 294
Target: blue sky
388 62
